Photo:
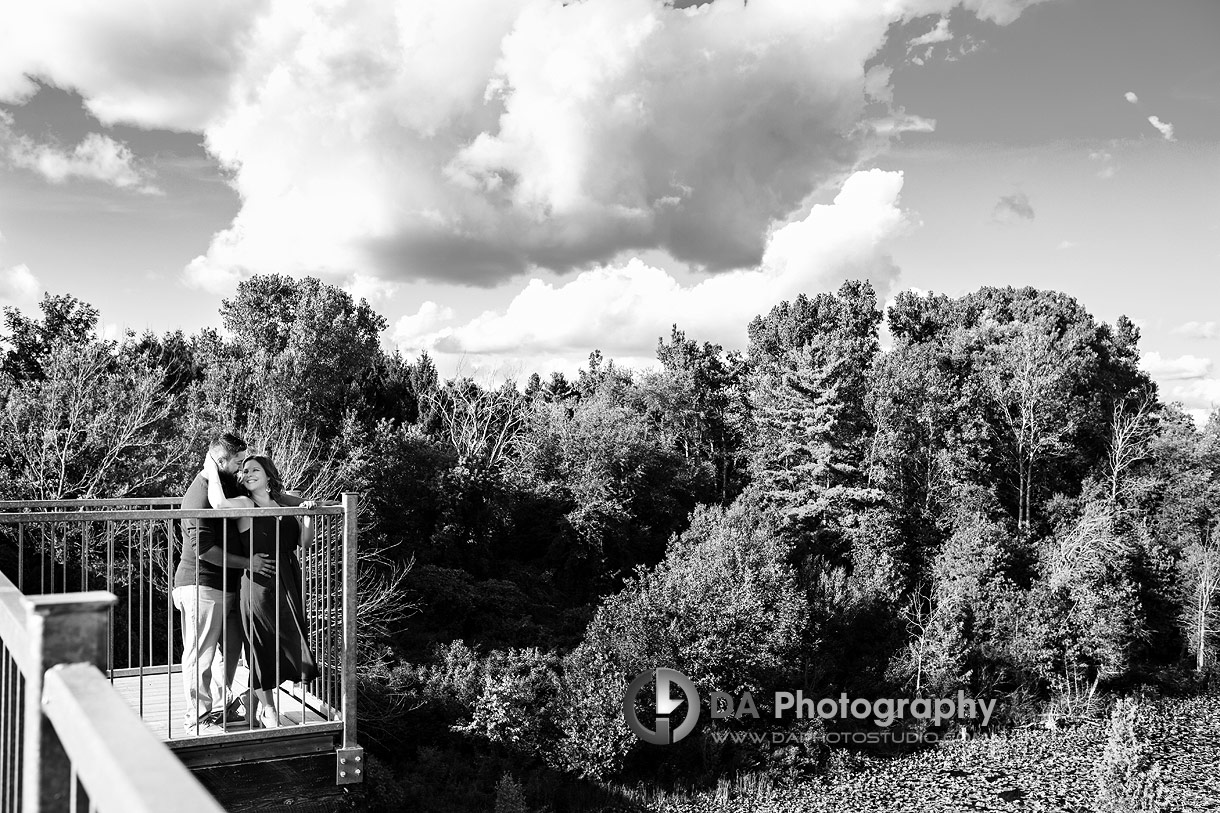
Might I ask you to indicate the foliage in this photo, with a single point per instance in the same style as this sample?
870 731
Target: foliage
96 422
516 706
1127 779
303 343
723 607
65 321
510 796
998 504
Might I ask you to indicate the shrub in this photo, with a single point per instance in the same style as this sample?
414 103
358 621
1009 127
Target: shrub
595 738
510 796
517 705
723 607
1127 779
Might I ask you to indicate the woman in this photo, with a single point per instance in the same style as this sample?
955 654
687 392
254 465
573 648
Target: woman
275 653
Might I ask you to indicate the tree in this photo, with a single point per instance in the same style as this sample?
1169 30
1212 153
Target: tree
480 423
1132 430
1201 615
305 343
706 405
812 430
94 424
1030 373
65 320
723 607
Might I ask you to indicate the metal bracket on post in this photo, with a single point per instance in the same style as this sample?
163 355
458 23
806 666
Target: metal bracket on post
349 766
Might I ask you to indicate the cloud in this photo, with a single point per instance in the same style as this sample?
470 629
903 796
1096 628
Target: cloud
1065 245
1131 97
1182 368
1106 159
623 308
97 157
470 141
1165 128
1011 208
1198 330
1199 396
19 288
170 69
940 33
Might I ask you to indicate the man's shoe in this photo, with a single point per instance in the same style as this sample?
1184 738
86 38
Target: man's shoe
235 712
209 724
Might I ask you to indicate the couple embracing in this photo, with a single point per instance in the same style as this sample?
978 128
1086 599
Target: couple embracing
229 594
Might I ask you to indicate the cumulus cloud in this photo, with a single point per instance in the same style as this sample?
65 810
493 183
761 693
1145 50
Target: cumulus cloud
1164 127
1199 396
170 68
1011 208
1131 97
97 157
624 308
1198 330
1182 368
470 141
940 33
18 287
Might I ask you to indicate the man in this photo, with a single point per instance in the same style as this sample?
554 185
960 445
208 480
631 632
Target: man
207 586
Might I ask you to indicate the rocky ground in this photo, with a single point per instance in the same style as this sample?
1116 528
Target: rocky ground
1185 739
1025 770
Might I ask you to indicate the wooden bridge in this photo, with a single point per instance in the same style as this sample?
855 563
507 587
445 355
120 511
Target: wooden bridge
91 698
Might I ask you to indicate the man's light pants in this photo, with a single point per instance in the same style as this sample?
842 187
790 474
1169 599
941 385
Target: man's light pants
207 667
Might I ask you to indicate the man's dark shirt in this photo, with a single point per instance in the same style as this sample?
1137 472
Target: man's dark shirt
198 535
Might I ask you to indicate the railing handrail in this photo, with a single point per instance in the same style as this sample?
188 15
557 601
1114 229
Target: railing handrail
119 761
14 630
167 513
68 503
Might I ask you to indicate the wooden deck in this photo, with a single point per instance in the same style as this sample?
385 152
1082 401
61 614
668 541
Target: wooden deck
157 698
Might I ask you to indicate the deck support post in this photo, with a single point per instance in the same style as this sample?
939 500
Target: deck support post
65 628
349 758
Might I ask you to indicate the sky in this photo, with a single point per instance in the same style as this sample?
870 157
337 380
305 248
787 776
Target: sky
514 183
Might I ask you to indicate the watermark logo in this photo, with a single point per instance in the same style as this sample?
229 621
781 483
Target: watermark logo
665 733
884 712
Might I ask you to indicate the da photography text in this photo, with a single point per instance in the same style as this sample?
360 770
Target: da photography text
674 721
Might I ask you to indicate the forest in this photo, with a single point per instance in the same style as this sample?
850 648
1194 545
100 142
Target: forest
981 494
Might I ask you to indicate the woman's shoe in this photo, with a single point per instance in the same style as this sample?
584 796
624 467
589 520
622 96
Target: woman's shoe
268 718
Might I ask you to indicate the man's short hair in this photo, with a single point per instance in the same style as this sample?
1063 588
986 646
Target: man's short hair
229 443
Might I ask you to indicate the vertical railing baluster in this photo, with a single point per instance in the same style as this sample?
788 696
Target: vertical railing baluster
6 754
86 541
42 559
139 612
348 652
278 594
127 526
169 629
110 611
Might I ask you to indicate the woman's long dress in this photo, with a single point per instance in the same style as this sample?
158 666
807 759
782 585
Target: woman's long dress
276 656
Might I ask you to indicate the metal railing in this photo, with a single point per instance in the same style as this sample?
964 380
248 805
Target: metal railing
67 740
130 548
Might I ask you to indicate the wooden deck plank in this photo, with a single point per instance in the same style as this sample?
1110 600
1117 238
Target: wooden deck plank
159 701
